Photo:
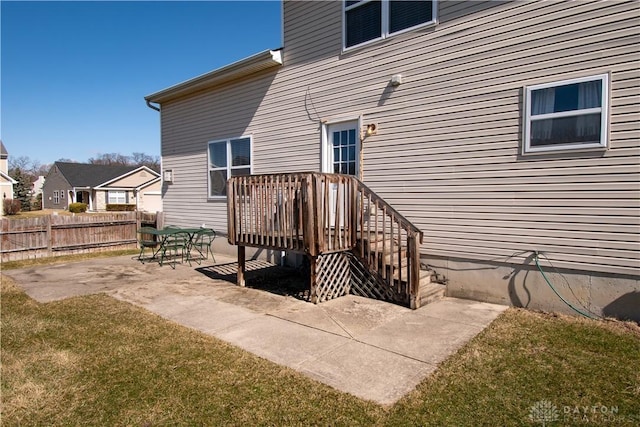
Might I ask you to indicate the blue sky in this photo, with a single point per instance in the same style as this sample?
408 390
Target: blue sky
74 74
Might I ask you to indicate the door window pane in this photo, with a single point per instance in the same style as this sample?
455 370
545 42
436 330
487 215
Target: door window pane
344 151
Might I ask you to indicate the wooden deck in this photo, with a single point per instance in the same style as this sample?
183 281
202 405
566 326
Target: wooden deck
337 222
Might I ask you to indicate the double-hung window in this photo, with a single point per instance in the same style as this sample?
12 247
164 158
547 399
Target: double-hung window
229 157
117 197
56 197
567 115
368 20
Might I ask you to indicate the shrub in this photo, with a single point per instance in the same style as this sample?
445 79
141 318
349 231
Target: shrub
77 207
114 207
11 206
36 203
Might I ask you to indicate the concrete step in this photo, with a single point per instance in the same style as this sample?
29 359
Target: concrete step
431 292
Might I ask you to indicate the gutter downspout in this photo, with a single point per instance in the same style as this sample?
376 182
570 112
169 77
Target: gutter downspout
153 107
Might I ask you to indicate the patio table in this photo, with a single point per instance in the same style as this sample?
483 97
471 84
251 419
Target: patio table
165 240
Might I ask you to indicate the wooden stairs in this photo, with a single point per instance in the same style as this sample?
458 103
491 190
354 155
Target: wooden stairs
390 258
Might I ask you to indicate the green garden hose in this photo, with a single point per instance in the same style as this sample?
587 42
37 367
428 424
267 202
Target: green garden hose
556 292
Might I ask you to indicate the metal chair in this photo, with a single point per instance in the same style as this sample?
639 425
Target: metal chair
202 244
146 240
174 245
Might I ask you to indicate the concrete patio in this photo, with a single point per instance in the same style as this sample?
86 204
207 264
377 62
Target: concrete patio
371 349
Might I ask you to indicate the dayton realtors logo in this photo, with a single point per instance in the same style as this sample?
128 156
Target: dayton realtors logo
545 412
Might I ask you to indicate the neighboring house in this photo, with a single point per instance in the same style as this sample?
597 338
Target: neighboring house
501 129
6 182
36 186
150 196
95 185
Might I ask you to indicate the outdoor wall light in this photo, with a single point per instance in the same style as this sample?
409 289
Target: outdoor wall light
372 129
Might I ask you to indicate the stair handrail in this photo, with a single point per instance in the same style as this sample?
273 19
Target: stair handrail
409 225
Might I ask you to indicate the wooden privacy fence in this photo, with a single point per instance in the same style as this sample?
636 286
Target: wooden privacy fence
53 235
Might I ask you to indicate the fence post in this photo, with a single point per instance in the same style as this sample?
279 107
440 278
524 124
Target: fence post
159 220
47 223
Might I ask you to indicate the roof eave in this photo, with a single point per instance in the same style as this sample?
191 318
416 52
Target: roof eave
124 175
8 178
244 67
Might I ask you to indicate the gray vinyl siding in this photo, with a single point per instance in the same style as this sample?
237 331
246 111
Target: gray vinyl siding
55 182
448 150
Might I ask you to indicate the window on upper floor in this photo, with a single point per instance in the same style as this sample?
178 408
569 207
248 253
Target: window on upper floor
368 20
56 197
567 115
229 157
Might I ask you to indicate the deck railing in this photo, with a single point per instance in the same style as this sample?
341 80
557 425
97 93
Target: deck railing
317 213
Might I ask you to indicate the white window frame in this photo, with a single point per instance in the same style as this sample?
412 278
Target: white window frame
56 197
229 166
385 22
109 200
603 110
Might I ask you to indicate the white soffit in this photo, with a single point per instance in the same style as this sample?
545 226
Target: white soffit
244 67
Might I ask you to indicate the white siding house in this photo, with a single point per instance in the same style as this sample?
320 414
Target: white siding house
503 130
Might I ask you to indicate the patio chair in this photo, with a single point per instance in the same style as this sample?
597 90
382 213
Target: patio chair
202 245
145 241
173 246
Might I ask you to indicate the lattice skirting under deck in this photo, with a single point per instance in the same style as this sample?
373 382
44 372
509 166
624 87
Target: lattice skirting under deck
333 276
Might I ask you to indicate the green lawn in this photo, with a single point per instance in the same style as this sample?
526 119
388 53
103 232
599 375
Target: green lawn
98 361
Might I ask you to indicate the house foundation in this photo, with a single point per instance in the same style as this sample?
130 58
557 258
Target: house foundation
523 285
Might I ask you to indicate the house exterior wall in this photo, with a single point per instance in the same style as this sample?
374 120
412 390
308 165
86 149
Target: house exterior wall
133 180
447 154
37 185
6 191
55 181
150 198
100 202
102 198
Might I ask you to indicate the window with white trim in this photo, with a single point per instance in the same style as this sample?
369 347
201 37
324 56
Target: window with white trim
116 197
567 115
56 197
368 20
228 157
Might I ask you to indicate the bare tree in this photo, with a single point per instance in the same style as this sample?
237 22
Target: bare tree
110 159
25 171
136 159
142 159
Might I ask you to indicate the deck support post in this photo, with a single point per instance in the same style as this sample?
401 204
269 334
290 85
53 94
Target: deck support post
313 285
413 246
241 264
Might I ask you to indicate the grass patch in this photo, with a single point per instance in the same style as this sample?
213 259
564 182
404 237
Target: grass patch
95 360
8 265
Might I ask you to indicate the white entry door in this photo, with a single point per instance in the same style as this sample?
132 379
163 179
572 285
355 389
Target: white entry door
341 156
342 149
